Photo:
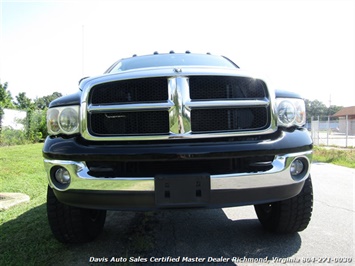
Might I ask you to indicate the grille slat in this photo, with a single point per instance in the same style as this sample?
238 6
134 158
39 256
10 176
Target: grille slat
151 168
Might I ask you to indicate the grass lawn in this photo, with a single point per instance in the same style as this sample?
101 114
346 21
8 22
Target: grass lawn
25 237
343 157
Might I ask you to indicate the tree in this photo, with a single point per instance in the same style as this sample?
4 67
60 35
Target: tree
35 121
23 102
5 97
5 100
333 109
43 102
317 109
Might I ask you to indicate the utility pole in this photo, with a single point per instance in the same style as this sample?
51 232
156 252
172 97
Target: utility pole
329 110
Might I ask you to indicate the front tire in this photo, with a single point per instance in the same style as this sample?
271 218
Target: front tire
288 216
71 224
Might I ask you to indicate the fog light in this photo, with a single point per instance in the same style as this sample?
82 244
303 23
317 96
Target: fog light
297 167
62 176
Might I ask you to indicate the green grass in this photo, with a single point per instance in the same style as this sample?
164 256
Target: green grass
22 171
25 237
343 157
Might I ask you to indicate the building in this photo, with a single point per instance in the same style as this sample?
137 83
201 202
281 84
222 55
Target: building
13 119
346 120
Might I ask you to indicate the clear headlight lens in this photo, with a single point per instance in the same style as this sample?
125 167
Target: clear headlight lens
52 121
68 120
290 112
63 120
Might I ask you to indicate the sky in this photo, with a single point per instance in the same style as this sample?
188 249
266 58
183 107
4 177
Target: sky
302 46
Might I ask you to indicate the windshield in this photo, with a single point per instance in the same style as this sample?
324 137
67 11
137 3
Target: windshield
160 60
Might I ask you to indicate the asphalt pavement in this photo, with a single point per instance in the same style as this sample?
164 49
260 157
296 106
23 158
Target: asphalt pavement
232 236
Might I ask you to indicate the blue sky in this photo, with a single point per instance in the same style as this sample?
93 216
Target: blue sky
303 46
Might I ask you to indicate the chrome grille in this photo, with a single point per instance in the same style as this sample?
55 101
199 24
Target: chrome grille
177 107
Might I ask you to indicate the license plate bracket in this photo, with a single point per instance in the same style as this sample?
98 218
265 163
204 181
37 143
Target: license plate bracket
182 190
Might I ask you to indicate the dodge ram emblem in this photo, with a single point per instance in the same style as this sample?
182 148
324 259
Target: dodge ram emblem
177 70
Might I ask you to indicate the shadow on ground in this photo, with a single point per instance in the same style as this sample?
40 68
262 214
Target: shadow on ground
209 233
184 233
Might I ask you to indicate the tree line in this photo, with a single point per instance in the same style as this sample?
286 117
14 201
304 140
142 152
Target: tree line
35 128
35 122
317 109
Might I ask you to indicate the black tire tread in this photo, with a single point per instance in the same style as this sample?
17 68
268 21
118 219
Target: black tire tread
291 215
70 224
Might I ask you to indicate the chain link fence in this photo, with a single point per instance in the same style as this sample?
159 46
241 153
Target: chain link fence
338 132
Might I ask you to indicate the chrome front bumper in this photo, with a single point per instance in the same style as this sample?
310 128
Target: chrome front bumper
278 176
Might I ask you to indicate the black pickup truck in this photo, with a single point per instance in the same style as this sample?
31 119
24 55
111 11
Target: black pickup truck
176 130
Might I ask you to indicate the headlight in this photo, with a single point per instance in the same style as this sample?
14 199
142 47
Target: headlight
63 120
290 112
